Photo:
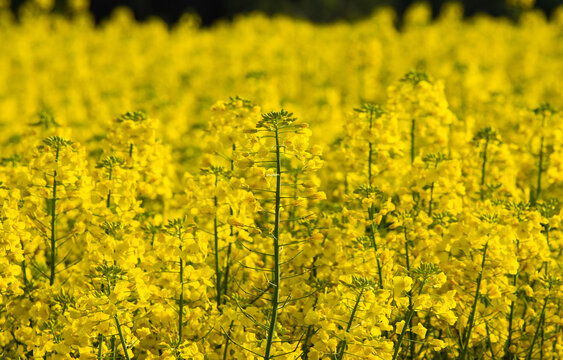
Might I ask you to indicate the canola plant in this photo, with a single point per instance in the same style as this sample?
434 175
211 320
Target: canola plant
342 191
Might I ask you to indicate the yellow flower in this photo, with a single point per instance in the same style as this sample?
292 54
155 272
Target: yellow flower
419 330
399 327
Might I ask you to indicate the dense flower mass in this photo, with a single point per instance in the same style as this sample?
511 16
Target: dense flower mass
307 192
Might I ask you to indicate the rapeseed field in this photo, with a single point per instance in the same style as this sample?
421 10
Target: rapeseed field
268 188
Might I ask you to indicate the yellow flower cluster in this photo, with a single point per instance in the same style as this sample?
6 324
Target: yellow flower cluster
409 207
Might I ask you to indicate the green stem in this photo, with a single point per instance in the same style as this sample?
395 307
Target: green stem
431 199
310 329
108 200
100 346
540 325
342 344
510 320
229 248
306 347
374 245
410 308
540 170
557 328
484 165
524 311
226 351
228 336
216 244
408 320
432 192
542 339
484 168
369 163
293 208
181 300
120 332
26 283
370 148
276 270
407 249
226 277
371 209
489 344
54 223
113 348
471 319
413 124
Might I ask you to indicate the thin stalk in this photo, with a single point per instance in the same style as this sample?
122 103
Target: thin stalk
524 311
276 270
510 320
232 232
557 328
489 344
227 269
374 245
113 348
26 283
108 200
413 124
369 163
121 337
370 148
424 344
540 325
471 319
306 346
256 298
310 329
100 346
371 209
431 199
54 223
181 300
342 344
216 244
542 339
432 192
409 317
484 165
293 208
484 168
540 170
225 351
409 324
